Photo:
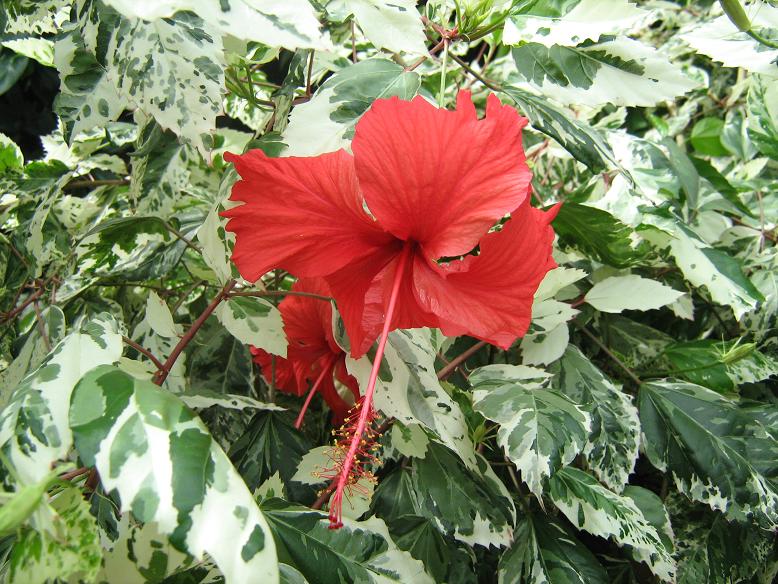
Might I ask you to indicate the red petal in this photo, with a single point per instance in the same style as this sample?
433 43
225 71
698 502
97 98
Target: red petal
489 296
358 292
441 178
308 323
304 215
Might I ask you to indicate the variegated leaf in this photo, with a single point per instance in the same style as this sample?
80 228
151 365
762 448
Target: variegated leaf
361 551
593 508
160 170
584 20
326 123
473 506
408 389
612 448
549 335
140 554
618 71
712 550
34 429
166 468
720 40
88 95
394 25
171 69
71 553
703 265
544 551
715 452
291 24
619 293
254 321
541 430
582 141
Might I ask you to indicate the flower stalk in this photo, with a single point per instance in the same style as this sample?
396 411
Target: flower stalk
326 370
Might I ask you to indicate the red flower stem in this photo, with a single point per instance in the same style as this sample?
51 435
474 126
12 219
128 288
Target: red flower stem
327 368
367 401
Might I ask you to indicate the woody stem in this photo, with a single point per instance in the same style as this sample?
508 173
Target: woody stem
327 368
367 401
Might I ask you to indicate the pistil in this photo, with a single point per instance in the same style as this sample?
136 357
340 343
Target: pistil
366 404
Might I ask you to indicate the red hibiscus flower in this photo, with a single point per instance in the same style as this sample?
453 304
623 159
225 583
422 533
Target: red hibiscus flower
422 255
314 361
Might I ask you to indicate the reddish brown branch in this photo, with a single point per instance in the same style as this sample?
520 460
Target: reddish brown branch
459 359
272 293
161 375
41 326
78 184
145 352
69 476
29 300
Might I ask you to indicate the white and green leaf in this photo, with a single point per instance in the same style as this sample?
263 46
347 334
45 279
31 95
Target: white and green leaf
360 551
721 40
585 20
408 389
545 551
619 293
254 321
595 509
34 428
718 271
473 506
291 24
541 430
582 141
326 122
394 25
71 553
165 467
619 71
141 554
714 451
612 447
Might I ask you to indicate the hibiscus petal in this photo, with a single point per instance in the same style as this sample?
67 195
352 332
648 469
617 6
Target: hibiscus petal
441 178
358 292
303 215
489 296
308 321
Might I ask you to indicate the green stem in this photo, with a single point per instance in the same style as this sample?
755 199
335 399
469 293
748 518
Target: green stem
444 60
677 371
760 39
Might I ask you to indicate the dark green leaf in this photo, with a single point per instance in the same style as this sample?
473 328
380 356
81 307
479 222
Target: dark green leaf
715 452
598 233
544 550
357 552
271 444
581 140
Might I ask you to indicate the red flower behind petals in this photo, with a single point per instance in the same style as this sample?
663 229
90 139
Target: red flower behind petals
434 180
308 327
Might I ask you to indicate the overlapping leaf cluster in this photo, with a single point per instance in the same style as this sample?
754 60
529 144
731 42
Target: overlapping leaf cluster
630 436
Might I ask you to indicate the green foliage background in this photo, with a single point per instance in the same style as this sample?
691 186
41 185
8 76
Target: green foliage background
631 436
